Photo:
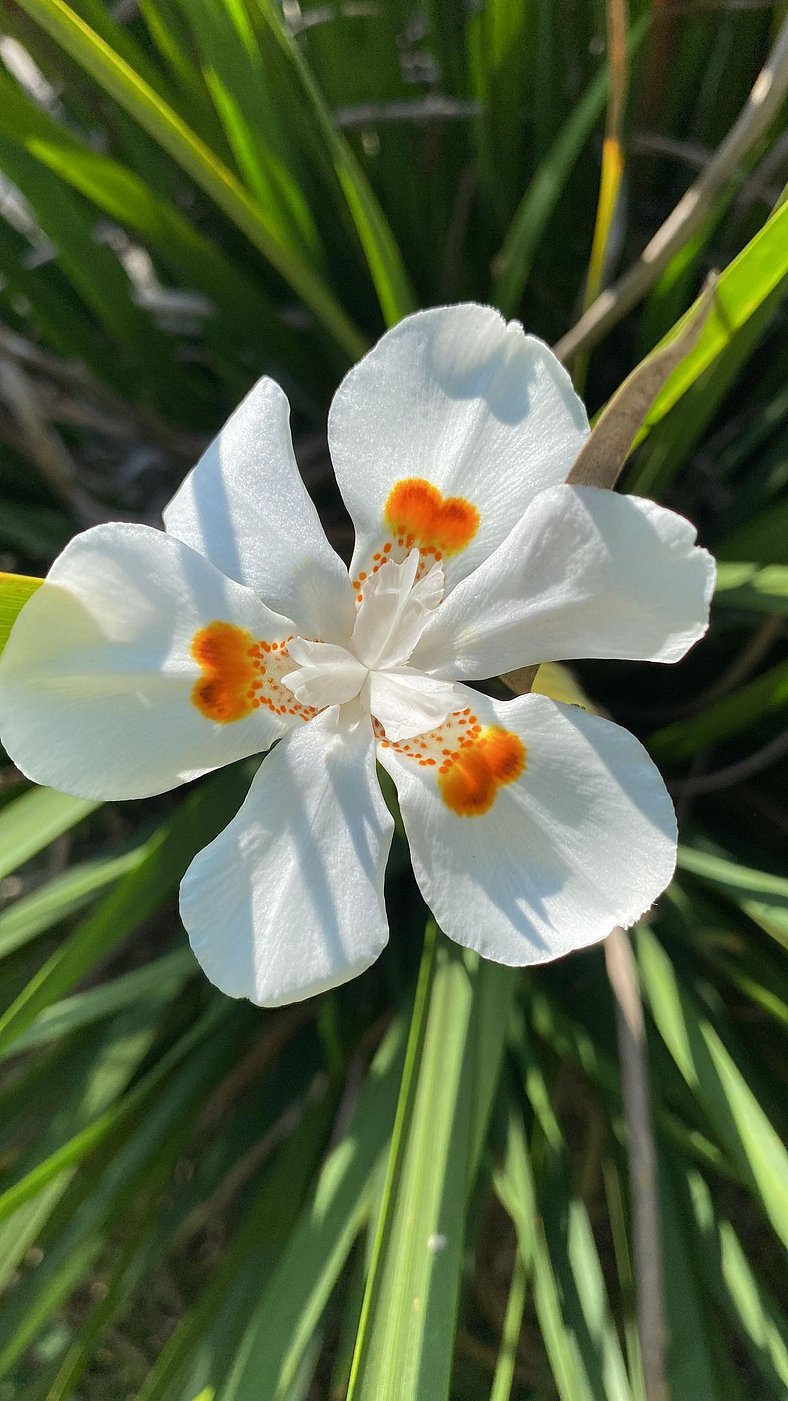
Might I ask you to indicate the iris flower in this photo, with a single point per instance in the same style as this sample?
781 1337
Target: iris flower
149 658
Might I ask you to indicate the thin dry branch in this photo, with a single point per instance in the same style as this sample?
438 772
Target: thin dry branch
44 447
759 111
17 350
758 645
647 1250
433 107
743 769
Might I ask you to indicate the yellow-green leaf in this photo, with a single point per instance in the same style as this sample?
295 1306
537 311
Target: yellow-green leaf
15 590
742 288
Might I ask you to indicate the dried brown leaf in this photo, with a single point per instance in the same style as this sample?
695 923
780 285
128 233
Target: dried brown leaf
603 455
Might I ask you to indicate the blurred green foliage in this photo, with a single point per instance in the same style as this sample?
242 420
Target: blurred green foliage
199 1199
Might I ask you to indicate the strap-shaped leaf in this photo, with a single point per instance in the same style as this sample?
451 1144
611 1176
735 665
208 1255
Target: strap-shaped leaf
721 1086
760 589
176 137
406 1334
384 260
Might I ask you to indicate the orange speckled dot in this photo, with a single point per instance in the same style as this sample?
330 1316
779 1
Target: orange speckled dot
223 693
417 512
470 780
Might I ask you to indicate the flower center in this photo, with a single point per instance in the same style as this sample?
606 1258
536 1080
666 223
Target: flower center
373 666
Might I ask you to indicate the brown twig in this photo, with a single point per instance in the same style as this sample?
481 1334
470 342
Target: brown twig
487 1356
17 350
44 447
762 185
631 1032
300 21
456 233
700 7
733 773
760 109
243 1169
744 664
654 143
433 107
278 1029
58 406
758 645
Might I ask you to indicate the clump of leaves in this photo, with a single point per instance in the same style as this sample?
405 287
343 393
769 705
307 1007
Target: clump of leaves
421 1190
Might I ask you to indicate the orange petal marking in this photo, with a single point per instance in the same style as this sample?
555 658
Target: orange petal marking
470 781
417 513
222 650
242 674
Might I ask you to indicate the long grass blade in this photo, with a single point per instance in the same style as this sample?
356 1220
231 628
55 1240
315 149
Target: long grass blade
762 896
122 194
766 695
60 897
731 1278
741 290
136 896
405 1339
173 134
289 1307
159 980
760 589
713 1076
30 823
384 260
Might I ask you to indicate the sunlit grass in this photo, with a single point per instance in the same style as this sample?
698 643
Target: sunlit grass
202 1199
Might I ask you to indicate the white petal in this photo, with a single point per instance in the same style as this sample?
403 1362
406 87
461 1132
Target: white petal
458 398
288 900
245 507
97 676
586 573
582 840
406 702
327 674
394 610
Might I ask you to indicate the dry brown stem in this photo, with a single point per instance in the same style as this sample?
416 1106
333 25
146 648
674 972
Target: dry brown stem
759 111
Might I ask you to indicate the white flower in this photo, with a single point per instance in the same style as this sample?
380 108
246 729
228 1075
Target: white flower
148 659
